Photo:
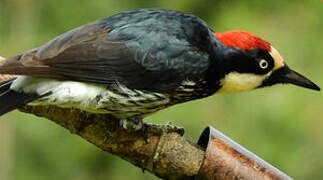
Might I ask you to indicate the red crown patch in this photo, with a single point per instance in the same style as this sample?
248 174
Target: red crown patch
243 40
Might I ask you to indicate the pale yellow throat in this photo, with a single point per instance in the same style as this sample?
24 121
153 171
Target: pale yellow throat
238 82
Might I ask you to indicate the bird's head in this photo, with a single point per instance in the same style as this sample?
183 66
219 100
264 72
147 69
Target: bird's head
249 62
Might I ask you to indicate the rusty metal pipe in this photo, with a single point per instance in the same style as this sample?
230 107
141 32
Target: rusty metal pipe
225 159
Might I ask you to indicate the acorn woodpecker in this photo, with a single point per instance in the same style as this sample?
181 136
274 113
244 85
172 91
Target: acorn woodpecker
135 63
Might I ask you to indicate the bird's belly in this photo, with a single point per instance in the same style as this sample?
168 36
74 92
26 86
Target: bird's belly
129 103
118 100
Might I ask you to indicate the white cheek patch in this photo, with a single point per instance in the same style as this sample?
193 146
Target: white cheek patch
238 82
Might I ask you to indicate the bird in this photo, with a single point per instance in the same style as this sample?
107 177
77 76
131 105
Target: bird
135 63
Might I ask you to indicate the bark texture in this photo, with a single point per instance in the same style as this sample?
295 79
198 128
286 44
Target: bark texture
167 155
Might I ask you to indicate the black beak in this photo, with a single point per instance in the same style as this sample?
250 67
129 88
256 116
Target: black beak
285 75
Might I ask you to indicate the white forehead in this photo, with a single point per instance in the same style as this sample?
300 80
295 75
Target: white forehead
278 59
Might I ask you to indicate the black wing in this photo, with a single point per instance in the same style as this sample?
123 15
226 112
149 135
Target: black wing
152 55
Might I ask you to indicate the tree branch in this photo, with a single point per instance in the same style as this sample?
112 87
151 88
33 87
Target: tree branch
166 155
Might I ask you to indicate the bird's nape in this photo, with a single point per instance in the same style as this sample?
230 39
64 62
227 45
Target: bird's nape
285 75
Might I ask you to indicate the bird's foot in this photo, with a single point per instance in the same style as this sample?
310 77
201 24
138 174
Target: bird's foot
161 129
132 124
136 124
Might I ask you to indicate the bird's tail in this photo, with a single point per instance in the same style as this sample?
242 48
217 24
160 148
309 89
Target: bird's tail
11 99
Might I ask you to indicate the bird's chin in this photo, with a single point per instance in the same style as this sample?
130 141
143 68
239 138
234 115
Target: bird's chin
285 75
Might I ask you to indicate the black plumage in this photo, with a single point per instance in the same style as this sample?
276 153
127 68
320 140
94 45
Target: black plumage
5 85
151 50
11 99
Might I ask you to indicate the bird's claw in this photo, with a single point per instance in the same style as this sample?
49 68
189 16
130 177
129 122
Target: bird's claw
133 124
163 128
137 124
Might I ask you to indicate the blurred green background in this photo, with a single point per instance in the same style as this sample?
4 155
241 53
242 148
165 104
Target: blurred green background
283 125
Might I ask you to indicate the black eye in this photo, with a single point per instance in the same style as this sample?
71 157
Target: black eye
263 64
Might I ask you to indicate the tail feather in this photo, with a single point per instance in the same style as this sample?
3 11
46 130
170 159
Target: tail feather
11 99
4 86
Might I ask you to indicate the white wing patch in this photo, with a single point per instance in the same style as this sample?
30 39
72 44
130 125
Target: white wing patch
238 82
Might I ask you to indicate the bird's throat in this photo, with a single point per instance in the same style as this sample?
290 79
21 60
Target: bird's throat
239 82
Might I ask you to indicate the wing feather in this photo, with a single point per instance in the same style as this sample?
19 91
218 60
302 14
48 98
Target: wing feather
90 54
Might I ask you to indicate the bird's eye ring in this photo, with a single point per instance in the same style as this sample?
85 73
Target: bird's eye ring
263 64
